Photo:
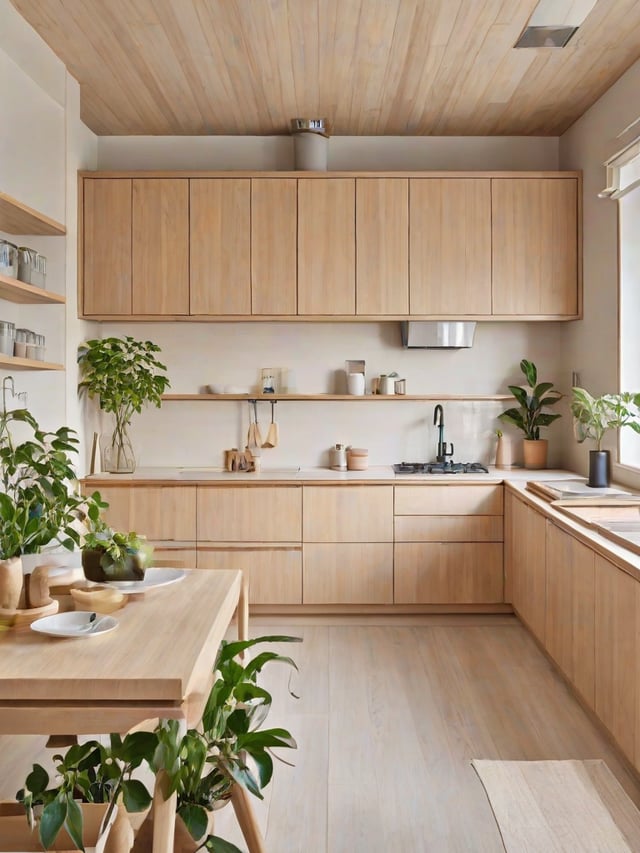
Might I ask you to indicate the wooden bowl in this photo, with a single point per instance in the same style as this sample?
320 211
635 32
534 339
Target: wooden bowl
24 618
102 599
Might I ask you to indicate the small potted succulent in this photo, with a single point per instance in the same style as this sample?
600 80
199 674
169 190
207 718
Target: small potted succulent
529 416
593 417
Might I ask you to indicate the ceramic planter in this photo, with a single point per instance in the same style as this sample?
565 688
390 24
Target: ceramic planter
599 469
99 567
535 452
10 583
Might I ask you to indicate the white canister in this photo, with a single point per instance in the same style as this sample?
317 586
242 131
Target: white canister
387 385
339 458
355 384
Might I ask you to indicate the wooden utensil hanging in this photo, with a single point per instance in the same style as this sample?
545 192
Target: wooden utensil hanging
257 436
272 435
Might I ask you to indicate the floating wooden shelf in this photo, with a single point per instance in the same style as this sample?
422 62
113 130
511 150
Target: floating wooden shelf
367 398
26 294
18 218
8 362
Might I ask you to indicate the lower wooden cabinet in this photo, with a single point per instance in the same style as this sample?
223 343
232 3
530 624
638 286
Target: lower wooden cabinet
570 608
617 650
168 554
158 512
348 573
526 564
448 573
274 572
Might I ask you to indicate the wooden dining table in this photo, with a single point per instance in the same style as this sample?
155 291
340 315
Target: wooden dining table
158 663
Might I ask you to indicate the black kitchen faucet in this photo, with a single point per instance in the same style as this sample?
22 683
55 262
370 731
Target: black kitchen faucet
438 420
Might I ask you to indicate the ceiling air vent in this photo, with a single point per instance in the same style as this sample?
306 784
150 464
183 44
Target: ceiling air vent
546 36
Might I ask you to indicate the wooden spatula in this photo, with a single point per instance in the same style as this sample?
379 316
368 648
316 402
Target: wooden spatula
272 435
257 435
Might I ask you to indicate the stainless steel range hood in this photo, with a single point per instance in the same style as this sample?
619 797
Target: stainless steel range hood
437 334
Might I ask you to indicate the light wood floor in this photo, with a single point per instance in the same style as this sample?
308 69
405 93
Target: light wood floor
389 716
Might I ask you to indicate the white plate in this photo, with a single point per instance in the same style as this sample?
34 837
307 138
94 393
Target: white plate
74 624
152 579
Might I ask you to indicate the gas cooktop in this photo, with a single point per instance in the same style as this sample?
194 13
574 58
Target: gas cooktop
440 468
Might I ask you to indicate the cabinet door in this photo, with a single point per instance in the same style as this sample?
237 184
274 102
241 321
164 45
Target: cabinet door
448 573
249 513
157 512
160 250
220 245
107 246
347 573
535 246
450 246
448 500
348 514
274 574
527 561
616 643
326 246
382 246
570 608
274 214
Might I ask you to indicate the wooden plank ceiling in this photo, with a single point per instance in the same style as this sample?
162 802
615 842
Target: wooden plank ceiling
370 67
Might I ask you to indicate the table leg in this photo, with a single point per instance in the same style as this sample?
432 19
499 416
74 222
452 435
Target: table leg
164 815
246 820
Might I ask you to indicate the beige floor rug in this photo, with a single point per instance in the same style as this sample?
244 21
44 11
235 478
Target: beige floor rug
560 806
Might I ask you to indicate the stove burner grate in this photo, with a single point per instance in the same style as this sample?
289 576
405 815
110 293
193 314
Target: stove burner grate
440 468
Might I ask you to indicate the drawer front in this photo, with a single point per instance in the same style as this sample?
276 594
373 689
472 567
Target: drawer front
348 514
348 573
448 500
249 514
448 573
274 574
180 557
452 528
157 512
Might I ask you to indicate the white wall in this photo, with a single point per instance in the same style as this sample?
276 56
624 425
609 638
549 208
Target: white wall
42 144
591 347
200 354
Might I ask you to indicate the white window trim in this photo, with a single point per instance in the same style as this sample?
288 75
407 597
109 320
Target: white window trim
623 171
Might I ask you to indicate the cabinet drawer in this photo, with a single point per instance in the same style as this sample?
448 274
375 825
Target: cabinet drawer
348 573
157 512
274 574
448 573
452 528
448 500
178 555
348 514
249 514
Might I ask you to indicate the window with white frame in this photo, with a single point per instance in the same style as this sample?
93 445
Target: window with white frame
623 179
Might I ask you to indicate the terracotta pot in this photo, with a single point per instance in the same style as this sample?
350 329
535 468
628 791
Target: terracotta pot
535 452
10 583
182 840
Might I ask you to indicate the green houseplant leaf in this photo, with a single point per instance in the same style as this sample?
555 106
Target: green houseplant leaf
529 415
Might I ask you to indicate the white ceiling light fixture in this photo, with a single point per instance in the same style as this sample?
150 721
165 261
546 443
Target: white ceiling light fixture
554 22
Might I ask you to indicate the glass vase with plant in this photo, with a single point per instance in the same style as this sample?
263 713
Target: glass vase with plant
124 375
529 416
593 417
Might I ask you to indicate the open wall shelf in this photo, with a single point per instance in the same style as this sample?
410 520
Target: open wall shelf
18 218
26 294
367 398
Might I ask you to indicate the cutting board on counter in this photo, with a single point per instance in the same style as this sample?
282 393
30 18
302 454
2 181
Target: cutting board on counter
625 533
577 493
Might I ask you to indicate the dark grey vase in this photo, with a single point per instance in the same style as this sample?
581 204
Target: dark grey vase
599 469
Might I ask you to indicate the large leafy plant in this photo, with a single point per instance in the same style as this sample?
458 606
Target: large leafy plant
124 375
202 765
594 416
39 501
529 417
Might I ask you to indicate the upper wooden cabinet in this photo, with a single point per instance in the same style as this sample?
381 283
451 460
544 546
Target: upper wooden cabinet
107 246
362 246
382 246
219 245
535 246
326 246
160 246
450 247
274 217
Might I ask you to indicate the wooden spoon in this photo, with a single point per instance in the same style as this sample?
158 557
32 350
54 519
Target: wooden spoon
272 435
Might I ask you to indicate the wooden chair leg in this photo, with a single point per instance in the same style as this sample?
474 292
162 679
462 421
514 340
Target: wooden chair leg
247 820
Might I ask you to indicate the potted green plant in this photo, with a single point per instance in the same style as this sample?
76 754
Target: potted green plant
202 766
529 416
108 555
124 375
593 417
39 501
